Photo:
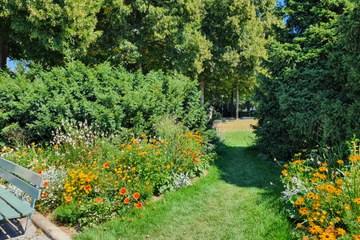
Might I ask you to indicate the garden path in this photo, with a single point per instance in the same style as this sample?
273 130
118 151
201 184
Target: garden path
238 199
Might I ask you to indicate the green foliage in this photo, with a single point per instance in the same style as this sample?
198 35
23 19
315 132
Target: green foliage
33 104
49 32
67 214
305 101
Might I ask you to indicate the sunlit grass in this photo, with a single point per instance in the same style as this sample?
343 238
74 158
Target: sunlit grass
234 201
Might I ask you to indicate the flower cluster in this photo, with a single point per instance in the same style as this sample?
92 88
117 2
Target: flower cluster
93 176
323 197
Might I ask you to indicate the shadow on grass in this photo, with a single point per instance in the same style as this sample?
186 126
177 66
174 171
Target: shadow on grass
241 167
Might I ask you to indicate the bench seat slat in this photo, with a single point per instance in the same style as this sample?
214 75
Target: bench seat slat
21 207
7 211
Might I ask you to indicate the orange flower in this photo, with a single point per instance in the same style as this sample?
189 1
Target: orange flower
196 160
138 205
87 188
106 165
284 172
68 199
357 201
45 184
40 171
304 211
356 237
126 200
44 194
99 200
123 191
340 161
136 195
358 219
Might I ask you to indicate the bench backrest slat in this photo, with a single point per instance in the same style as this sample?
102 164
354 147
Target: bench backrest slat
24 186
22 172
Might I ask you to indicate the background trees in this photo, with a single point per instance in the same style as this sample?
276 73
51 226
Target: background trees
48 32
305 102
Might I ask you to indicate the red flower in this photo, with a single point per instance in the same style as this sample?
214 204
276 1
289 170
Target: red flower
40 171
44 194
99 200
106 165
136 195
123 191
87 188
46 184
138 205
126 200
68 199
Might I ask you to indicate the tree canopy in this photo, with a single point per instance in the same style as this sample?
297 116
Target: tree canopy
305 102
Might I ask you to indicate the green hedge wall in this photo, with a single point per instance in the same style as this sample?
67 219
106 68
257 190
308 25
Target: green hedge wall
33 104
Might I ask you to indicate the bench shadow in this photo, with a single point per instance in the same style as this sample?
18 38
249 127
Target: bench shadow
10 229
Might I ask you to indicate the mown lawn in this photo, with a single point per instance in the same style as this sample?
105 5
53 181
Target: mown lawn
234 201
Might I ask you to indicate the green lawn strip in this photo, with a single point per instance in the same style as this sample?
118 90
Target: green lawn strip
234 201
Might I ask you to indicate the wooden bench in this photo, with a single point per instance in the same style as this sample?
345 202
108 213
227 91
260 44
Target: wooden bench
26 180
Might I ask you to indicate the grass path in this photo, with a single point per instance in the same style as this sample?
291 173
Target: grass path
234 201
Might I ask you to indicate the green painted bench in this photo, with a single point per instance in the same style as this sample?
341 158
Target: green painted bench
26 180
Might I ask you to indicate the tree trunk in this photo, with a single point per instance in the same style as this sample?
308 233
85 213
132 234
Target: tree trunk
202 89
4 52
237 101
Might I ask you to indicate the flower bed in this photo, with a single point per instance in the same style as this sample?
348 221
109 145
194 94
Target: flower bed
323 197
91 176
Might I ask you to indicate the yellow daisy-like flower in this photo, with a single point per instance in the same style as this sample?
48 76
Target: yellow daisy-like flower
354 158
358 219
347 207
357 201
299 201
340 231
340 161
304 211
284 172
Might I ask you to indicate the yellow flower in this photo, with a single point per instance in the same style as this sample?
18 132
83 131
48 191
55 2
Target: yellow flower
358 219
339 181
357 201
304 211
356 237
310 195
340 161
299 201
284 172
354 158
341 231
299 225
315 229
327 236
347 207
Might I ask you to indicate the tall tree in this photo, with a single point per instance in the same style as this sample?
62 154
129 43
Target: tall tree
238 32
151 35
300 101
47 31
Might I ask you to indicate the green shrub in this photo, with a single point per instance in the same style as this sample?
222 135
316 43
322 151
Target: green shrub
33 104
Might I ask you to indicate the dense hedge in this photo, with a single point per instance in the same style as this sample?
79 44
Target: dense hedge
33 104
310 99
